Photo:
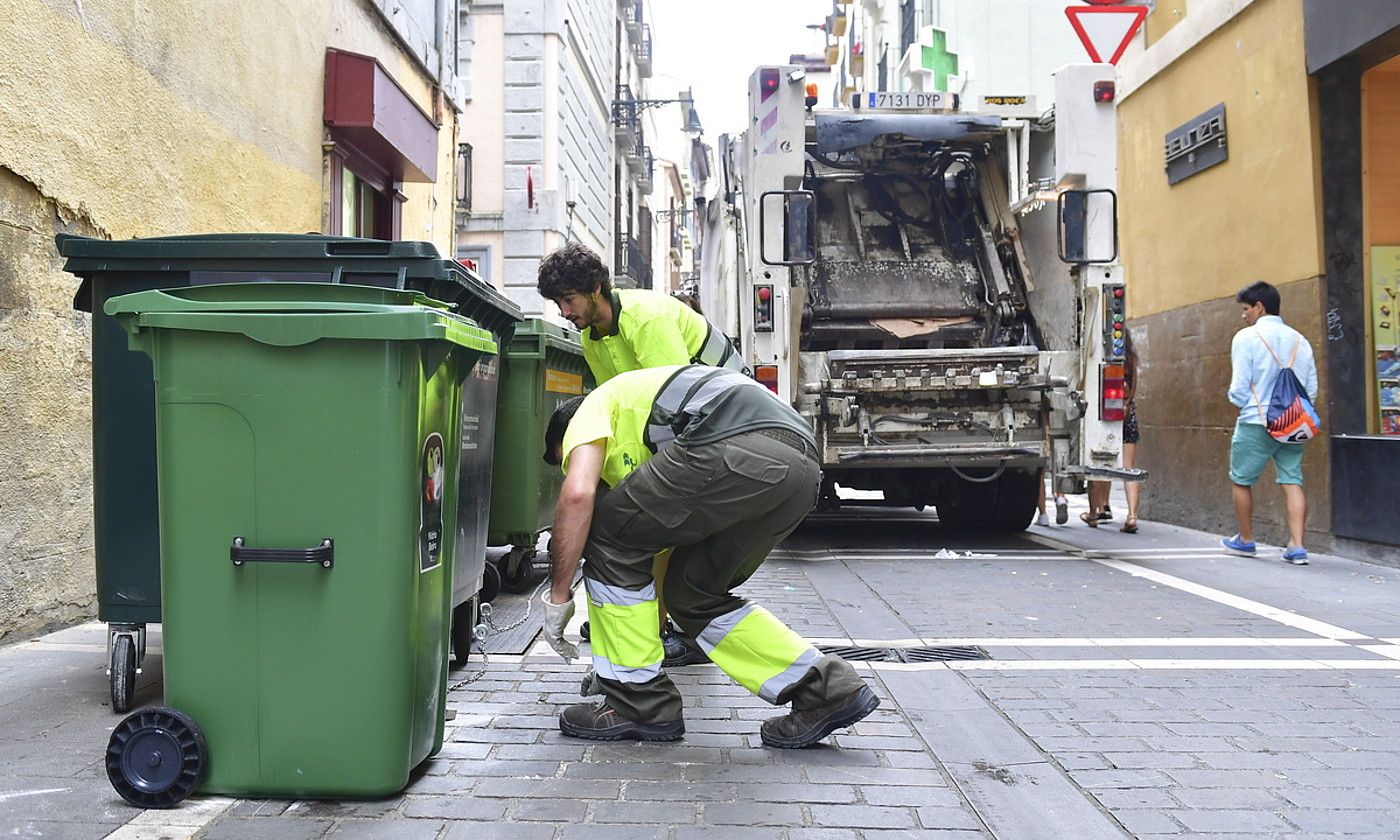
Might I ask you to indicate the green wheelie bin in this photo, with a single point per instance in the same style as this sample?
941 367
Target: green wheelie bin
126 530
541 366
308 461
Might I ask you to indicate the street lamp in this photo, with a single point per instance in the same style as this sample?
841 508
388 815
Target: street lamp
630 110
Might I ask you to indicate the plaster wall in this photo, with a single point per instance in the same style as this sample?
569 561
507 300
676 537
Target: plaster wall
1255 216
123 120
1188 247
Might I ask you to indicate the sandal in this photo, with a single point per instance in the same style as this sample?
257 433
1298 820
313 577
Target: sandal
1089 519
1129 526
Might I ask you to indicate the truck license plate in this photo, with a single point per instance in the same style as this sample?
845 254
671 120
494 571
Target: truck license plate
905 100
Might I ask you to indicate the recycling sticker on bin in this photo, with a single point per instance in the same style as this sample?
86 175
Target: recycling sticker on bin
433 479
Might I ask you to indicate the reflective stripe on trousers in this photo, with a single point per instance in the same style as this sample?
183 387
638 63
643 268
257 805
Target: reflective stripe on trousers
760 652
623 637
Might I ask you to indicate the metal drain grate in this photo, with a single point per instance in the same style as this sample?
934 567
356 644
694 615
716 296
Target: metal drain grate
859 654
942 654
915 654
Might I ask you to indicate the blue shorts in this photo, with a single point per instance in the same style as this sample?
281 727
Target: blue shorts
1252 447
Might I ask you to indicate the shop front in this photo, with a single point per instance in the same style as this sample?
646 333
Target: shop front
1355 62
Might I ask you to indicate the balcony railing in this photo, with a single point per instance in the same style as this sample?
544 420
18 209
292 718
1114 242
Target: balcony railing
641 51
632 263
625 113
643 162
633 19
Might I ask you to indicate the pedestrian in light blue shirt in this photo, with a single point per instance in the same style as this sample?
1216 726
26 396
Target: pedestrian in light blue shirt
1257 354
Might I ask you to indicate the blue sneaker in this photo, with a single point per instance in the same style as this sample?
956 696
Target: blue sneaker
1235 545
1296 554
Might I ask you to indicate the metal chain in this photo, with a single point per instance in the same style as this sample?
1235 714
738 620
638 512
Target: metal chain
491 628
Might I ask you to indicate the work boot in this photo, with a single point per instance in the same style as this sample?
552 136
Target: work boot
680 651
798 729
601 722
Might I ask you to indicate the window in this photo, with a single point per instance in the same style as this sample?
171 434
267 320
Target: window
908 25
464 176
481 255
365 202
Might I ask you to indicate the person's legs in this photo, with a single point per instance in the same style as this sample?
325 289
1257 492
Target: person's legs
1040 517
1297 513
1243 497
1131 489
658 574
1288 463
1251 447
1098 500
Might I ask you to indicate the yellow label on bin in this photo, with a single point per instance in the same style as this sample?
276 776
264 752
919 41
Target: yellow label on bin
563 383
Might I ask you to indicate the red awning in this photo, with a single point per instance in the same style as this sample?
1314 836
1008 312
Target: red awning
366 108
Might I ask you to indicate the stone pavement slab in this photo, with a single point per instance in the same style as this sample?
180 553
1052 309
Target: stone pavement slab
1114 705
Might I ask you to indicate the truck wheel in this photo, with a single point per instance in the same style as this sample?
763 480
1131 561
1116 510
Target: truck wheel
1015 502
1005 505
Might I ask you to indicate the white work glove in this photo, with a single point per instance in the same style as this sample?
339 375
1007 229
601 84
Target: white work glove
556 617
590 685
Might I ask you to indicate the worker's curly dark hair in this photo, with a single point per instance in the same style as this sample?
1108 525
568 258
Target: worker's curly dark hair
573 268
558 425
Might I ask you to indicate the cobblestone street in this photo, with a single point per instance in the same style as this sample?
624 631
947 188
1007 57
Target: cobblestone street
1132 687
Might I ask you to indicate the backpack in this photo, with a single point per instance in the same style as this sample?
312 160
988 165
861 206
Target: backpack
1290 416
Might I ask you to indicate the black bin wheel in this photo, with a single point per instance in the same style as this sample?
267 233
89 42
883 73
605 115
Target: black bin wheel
156 757
123 669
490 583
463 631
517 570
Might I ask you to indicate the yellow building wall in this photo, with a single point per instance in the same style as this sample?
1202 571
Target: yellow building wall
1255 216
122 119
1165 14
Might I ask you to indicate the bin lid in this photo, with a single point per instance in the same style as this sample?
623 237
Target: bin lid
218 258
292 314
550 335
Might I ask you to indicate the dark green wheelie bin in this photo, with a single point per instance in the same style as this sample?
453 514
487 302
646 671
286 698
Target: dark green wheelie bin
123 418
308 447
541 366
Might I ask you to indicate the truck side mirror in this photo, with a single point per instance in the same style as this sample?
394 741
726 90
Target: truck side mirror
799 231
1088 226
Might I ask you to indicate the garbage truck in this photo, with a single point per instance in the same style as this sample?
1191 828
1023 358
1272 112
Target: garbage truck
937 291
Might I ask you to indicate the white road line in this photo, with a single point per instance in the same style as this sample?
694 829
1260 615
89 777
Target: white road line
1153 552
923 556
1391 651
1307 625
1041 641
1138 665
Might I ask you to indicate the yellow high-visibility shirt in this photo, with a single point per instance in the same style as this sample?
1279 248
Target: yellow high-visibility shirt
651 329
617 416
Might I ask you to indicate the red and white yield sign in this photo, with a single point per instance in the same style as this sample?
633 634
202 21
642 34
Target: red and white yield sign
1105 30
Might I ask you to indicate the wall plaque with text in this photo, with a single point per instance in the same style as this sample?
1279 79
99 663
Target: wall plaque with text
1197 144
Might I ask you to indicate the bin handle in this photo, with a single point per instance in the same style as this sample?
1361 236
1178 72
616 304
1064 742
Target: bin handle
322 555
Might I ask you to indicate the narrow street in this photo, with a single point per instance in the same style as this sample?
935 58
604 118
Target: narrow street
1065 683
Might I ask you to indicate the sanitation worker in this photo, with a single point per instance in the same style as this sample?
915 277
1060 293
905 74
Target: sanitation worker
628 329
631 329
709 461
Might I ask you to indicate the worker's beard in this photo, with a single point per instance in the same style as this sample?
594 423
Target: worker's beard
590 315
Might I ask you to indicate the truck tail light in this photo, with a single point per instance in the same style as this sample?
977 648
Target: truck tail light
768 80
768 376
1113 393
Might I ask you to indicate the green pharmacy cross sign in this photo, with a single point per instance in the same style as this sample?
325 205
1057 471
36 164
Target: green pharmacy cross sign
937 59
